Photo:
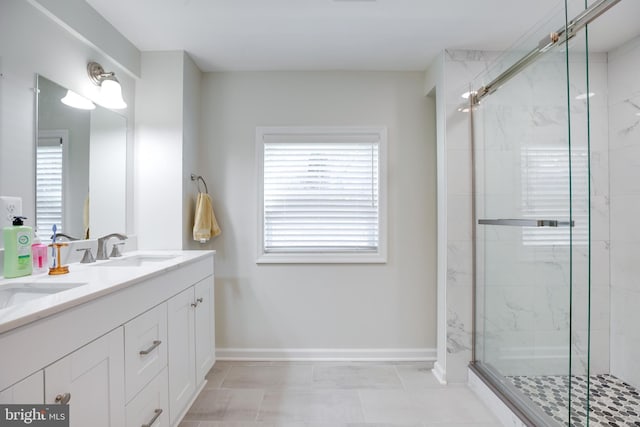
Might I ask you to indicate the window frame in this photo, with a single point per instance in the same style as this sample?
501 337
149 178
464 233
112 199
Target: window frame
352 257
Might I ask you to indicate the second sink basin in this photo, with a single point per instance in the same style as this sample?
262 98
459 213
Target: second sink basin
17 293
136 260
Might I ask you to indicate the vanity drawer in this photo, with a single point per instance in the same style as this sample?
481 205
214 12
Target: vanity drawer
145 347
151 406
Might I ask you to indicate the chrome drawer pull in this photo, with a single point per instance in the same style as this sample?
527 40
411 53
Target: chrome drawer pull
63 399
200 299
153 420
150 349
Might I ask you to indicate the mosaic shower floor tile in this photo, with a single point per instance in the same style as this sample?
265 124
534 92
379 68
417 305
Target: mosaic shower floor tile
614 403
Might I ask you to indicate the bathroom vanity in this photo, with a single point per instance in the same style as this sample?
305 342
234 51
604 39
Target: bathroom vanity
126 342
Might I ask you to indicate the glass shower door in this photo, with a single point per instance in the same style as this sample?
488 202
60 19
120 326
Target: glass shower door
522 237
531 158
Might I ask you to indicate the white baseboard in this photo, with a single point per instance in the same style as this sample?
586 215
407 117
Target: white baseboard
328 354
439 373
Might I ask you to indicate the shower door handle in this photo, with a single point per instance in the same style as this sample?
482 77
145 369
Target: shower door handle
516 222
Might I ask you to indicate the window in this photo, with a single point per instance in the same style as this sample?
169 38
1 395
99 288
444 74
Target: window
50 158
322 194
546 195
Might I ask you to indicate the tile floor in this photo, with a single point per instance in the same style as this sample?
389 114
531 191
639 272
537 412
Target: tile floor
271 394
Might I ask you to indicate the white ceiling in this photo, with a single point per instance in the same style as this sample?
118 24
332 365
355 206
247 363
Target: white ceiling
342 34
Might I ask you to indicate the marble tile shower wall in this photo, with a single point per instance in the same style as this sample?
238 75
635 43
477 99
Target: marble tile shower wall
624 152
460 68
527 309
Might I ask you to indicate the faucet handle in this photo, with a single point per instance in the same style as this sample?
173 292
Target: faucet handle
115 250
87 258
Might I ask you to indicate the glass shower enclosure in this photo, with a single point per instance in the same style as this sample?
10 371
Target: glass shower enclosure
530 127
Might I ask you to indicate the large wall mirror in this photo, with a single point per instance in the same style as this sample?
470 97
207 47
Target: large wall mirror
81 158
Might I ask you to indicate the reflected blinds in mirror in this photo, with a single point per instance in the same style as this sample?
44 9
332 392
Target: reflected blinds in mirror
49 183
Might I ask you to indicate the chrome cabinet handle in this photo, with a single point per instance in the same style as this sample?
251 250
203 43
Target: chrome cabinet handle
200 299
194 304
63 399
153 420
150 349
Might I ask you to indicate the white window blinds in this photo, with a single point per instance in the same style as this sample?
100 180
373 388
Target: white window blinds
321 192
546 194
49 185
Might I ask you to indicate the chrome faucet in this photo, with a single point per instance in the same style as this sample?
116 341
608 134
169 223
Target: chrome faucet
66 236
102 244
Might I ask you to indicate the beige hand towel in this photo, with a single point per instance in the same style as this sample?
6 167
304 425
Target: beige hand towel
205 225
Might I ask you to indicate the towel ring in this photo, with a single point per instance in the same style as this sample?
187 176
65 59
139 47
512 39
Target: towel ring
200 179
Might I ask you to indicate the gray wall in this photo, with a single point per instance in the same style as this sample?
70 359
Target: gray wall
275 310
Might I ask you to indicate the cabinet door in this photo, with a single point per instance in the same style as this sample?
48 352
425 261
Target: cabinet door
151 406
92 378
145 349
182 370
205 329
29 390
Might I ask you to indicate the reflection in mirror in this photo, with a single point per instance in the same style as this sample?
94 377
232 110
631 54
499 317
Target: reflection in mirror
108 173
80 167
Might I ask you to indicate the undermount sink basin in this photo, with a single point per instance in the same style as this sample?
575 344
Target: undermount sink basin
17 293
137 260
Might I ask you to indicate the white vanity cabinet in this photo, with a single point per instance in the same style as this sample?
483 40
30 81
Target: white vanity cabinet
146 383
191 354
145 346
182 362
133 355
205 352
29 390
91 381
151 406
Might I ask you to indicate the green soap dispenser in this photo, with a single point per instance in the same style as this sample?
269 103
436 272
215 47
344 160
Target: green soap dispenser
17 248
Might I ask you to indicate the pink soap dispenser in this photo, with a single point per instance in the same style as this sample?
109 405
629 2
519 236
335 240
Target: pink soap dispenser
39 256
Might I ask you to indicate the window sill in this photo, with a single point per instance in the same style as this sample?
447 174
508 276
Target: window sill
328 258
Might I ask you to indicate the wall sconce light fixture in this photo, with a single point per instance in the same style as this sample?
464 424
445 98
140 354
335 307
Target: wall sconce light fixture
110 92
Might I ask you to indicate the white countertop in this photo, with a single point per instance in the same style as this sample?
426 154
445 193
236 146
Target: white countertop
98 279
